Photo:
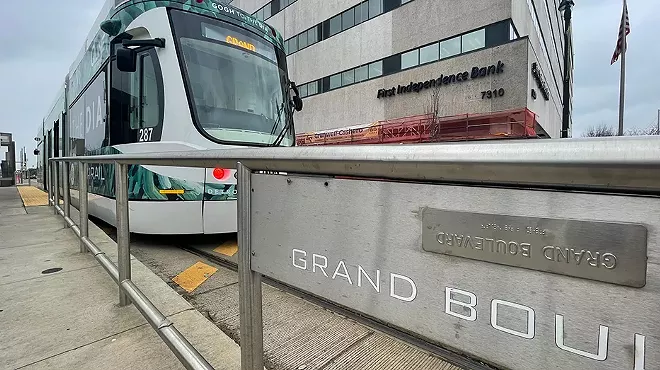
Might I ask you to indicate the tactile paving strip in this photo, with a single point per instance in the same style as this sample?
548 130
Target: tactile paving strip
33 196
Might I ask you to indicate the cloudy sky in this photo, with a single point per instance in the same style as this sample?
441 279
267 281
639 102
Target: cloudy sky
40 39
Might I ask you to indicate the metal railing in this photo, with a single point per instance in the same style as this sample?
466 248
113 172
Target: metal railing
625 165
120 273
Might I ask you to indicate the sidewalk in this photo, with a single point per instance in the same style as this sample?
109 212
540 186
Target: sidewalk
59 308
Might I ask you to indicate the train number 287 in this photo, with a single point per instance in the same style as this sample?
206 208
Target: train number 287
144 134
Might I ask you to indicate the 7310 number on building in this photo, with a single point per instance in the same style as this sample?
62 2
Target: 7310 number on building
495 93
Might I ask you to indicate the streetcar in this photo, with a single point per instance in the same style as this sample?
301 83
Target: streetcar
165 76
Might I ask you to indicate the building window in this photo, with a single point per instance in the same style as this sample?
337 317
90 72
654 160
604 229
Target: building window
474 40
450 47
428 54
266 11
303 90
376 69
302 40
361 73
293 45
335 25
312 88
348 77
312 36
348 19
375 8
410 59
361 12
335 81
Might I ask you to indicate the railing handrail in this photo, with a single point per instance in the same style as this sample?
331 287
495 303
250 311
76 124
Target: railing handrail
627 164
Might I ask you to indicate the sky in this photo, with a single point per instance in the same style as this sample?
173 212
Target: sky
40 39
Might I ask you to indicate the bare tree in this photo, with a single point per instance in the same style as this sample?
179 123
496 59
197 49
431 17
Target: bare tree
605 130
433 109
651 130
600 130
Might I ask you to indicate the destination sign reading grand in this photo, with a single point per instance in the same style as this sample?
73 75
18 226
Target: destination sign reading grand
604 251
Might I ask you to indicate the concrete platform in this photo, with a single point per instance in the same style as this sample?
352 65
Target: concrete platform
70 318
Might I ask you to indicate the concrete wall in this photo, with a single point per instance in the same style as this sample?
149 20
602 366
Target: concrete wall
549 112
358 104
524 20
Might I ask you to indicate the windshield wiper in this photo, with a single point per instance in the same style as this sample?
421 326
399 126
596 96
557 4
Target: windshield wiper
297 105
285 129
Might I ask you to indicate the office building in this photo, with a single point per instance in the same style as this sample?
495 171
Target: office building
360 62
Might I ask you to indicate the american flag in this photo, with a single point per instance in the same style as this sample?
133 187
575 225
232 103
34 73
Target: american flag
623 28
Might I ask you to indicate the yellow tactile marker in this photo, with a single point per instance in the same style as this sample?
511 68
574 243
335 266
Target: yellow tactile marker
192 277
228 248
33 196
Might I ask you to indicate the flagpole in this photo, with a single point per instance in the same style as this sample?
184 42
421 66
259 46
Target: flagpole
624 47
622 88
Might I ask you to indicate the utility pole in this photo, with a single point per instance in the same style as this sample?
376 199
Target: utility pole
566 7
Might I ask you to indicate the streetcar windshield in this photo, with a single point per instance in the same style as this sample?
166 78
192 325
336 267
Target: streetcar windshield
237 81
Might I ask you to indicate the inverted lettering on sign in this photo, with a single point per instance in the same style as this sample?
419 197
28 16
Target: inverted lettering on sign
604 251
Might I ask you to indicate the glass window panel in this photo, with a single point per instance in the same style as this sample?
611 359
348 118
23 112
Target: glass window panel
429 53
303 90
267 13
286 47
312 36
335 81
293 45
348 77
376 69
410 59
474 40
302 40
335 25
450 47
312 88
361 73
348 19
361 12
405 1
260 14
375 8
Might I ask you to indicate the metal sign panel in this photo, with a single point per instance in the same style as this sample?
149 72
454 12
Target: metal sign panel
358 244
604 251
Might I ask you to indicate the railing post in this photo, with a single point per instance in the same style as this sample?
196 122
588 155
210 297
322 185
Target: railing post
56 188
67 192
82 204
48 169
249 282
123 234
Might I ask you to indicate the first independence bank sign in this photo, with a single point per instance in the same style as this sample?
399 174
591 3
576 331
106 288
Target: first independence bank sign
476 72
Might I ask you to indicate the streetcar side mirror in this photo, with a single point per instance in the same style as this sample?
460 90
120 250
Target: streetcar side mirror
297 103
126 59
